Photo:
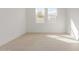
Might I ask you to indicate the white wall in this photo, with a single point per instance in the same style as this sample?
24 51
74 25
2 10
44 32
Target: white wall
57 27
73 22
12 24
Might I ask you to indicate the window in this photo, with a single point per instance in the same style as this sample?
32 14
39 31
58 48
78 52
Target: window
42 12
52 13
40 15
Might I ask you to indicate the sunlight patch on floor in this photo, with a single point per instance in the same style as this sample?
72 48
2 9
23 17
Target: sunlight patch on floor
62 38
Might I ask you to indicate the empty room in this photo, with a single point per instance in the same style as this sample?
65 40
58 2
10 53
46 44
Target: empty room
39 29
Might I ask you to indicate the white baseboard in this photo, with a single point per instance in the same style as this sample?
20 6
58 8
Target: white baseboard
45 33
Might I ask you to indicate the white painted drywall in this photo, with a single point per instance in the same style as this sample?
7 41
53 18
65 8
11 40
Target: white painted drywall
57 27
12 24
73 15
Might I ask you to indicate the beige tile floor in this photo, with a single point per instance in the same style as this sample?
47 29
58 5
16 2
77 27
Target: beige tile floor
42 42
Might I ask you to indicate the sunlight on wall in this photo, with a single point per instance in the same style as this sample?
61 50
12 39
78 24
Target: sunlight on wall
62 38
70 38
74 31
